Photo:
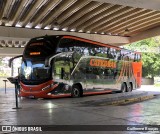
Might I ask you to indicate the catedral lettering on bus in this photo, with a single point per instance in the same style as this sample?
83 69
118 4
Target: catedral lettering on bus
61 65
102 63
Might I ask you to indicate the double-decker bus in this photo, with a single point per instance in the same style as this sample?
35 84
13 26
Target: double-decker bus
63 65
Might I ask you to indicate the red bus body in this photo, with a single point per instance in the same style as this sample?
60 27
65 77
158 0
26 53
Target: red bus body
77 67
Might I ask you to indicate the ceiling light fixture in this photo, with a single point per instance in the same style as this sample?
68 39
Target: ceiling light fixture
47 27
38 26
28 25
64 29
73 30
18 25
80 31
55 28
8 25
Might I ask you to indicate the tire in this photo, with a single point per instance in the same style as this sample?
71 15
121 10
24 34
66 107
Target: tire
76 91
123 88
130 88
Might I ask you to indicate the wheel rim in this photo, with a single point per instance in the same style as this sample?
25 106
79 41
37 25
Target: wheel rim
123 88
76 92
130 88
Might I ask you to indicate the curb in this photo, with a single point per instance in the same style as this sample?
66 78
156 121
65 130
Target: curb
129 100
114 98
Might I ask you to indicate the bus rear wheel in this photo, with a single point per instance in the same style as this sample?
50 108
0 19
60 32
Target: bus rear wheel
123 88
130 88
76 91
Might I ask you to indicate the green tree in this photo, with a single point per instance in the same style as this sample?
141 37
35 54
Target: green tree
150 59
151 64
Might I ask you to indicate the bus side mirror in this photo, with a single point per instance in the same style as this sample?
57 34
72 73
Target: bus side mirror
11 60
46 63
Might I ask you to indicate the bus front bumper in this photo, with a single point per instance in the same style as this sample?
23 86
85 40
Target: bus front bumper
42 93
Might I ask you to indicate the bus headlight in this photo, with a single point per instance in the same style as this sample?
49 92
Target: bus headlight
47 87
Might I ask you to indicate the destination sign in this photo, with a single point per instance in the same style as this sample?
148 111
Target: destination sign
35 53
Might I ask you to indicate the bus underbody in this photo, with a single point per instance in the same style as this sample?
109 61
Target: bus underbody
53 89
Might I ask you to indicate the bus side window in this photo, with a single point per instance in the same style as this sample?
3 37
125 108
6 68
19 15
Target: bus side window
118 55
62 67
100 52
75 58
132 56
113 53
109 73
57 64
108 53
137 57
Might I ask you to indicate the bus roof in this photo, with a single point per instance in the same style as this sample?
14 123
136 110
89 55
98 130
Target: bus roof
81 39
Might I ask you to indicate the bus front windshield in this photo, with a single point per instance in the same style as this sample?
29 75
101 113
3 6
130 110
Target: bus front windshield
34 72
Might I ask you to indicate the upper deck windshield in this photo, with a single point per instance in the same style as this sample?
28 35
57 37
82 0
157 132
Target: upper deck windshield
34 72
41 47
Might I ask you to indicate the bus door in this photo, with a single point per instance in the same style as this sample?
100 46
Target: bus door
94 79
78 74
89 78
61 72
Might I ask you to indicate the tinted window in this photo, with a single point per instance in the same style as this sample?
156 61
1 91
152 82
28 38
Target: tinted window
34 72
87 49
41 47
137 57
62 67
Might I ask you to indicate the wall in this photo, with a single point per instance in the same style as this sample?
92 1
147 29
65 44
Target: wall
147 81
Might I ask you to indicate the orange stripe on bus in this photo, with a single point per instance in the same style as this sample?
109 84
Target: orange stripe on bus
92 42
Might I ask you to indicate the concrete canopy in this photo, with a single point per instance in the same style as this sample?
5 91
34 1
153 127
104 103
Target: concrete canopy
114 22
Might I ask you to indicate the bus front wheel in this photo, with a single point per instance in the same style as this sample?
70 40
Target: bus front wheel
76 91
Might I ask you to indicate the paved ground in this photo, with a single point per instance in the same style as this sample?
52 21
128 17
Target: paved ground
75 113
150 89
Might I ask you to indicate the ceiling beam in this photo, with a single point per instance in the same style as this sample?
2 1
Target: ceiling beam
24 33
14 38
10 51
147 4
146 34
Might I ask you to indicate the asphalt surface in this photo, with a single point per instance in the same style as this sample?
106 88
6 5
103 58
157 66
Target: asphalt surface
101 113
